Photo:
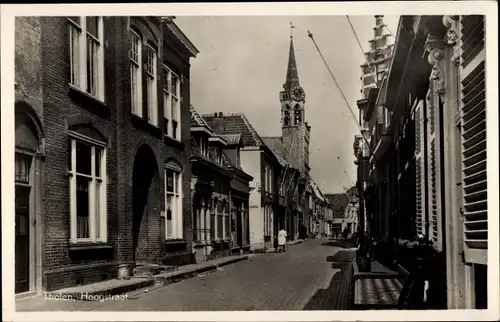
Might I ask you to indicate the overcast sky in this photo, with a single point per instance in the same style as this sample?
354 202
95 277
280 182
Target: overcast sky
242 66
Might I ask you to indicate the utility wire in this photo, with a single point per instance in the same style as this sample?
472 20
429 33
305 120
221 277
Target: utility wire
346 101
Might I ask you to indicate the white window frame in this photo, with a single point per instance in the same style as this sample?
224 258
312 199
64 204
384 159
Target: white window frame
102 217
136 72
152 85
226 224
78 56
177 204
172 104
203 143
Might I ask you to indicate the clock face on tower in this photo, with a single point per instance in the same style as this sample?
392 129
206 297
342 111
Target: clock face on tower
298 93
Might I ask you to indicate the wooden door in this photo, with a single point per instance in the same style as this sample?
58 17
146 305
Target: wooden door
22 228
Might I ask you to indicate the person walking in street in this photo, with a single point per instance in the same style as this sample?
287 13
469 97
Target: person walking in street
345 233
281 240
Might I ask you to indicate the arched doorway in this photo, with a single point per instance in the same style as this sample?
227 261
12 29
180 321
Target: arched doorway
28 183
145 205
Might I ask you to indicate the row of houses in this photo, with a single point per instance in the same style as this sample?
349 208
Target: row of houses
422 166
115 169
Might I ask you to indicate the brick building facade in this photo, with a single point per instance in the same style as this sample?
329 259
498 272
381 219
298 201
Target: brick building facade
85 130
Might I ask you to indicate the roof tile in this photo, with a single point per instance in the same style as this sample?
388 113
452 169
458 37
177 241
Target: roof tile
235 123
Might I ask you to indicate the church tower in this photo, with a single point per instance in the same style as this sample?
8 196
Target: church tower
295 130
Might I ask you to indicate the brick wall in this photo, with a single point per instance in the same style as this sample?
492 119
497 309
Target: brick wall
61 110
28 63
42 75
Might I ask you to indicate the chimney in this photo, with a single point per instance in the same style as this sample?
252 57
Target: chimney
218 126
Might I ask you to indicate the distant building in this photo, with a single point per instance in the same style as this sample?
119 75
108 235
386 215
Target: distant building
220 193
257 160
345 211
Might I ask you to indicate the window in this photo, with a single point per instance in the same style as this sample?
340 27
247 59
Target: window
151 86
203 145
270 189
22 168
220 220
172 106
266 177
86 35
135 56
87 167
213 214
217 155
286 117
298 116
173 201
227 219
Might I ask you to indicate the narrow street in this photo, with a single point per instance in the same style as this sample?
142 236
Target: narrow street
308 276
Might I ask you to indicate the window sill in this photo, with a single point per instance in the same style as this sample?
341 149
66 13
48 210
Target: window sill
175 241
89 246
89 102
143 124
173 142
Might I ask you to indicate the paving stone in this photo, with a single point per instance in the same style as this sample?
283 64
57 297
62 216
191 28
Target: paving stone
302 278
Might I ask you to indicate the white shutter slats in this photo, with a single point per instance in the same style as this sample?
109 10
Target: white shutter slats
473 120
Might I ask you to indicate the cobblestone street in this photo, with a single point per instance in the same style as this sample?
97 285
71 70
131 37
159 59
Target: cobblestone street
308 276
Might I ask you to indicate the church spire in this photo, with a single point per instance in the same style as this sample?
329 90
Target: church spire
292 76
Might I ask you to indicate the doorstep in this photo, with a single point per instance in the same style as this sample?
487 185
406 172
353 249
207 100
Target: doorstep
377 271
377 289
192 270
105 288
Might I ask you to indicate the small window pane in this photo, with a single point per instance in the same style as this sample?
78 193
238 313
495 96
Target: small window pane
92 67
174 129
22 167
98 153
173 84
74 39
150 61
82 207
98 214
134 51
169 221
93 26
170 181
165 80
83 158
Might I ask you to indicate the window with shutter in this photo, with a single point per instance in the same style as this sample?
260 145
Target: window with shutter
419 168
433 169
473 128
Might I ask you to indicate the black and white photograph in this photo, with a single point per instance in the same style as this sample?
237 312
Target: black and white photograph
183 160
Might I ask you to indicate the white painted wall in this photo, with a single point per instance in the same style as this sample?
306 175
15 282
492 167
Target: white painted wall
250 163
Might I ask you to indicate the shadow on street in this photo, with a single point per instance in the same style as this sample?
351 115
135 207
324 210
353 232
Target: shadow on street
337 296
342 243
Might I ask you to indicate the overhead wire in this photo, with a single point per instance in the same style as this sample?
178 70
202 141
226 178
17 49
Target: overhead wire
346 101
